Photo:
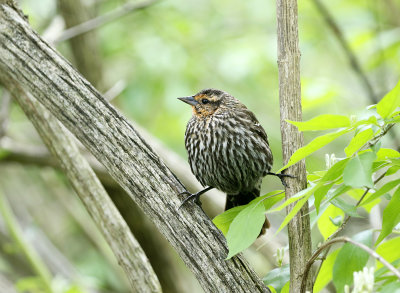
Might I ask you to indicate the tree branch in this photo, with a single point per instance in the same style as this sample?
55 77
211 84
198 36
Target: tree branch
352 58
96 200
290 109
27 61
101 20
345 239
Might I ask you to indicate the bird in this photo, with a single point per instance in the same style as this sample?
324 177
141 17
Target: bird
227 148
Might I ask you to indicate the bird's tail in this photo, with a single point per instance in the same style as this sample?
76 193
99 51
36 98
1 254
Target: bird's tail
234 200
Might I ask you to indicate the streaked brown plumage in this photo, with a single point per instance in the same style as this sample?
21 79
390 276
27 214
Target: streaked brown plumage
227 147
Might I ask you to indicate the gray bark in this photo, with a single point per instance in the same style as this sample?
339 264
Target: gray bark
28 62
290 109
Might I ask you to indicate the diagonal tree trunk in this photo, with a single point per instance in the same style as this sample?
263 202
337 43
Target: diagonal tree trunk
28 62
290 107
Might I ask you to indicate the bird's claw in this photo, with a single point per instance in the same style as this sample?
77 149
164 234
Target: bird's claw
194 196
281 176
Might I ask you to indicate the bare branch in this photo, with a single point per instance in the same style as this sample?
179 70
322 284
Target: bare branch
353 60
346 240
101 20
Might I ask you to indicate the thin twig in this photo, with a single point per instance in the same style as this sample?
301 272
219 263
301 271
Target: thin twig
352 58
101 20
343 225
346 240
115 90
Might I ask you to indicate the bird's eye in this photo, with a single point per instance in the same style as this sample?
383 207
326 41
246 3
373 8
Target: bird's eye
205 101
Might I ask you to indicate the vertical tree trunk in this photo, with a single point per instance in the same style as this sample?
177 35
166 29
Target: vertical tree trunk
290 108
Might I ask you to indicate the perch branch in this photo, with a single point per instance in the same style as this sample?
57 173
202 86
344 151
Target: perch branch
28 62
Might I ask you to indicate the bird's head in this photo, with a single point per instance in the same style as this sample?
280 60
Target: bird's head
208 101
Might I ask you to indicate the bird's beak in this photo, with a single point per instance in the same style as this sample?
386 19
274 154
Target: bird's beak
189 100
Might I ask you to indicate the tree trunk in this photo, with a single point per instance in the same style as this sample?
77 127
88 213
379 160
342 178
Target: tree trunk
290 109
28 62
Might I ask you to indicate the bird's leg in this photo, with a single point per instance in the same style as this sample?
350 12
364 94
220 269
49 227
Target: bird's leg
281 176
194 196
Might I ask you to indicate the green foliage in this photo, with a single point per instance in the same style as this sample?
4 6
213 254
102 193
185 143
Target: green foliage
277 278
391 216
322 122
245 228
350 259
242 225
358 171
326 272
334 191
389 103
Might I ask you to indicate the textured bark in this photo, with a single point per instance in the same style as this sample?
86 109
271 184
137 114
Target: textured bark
85 47
27 61
96 200
86 53
290 109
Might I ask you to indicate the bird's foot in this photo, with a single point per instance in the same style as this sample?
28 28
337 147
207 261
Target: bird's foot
193 196
282 176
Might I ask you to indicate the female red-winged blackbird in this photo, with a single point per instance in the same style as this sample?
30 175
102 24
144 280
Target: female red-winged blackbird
227 147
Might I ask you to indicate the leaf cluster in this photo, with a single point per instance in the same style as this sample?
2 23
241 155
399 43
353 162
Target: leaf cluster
341 191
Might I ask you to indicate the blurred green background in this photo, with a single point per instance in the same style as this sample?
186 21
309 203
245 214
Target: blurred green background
176 48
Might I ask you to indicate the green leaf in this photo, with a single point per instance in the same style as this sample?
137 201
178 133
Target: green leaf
286 288
322 122
389 250
278 277
271 198
381 191
245 228
294 211
338 191
325 225
358 141
384 154
358 171
320 193
313 146
301 194
325 273
391 288
391 216
349 209
392 170
389 102
335 171
350 259
224 220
